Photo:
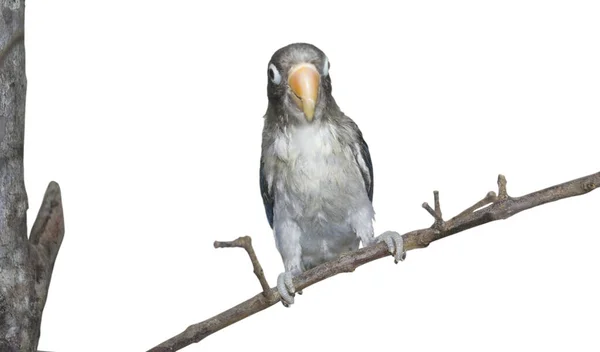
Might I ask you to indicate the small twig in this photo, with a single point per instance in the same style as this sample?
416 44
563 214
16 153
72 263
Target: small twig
489 198
502 193
500 208
437 213
438 208
246 243
429 209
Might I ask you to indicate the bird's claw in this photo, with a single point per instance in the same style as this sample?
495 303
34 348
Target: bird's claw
395 244
286 289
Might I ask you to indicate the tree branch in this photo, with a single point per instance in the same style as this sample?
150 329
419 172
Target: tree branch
25 264
500 207
246 243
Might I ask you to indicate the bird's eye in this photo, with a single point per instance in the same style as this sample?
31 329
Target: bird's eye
326 66
274 75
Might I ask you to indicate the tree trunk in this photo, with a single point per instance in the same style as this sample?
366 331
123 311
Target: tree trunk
25 263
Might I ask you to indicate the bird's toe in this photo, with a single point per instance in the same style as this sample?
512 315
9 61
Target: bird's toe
285 287
395 244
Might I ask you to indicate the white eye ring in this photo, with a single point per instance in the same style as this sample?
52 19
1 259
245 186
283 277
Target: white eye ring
274 74
326 67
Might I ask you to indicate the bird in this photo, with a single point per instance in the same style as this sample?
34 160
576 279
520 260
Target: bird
316 173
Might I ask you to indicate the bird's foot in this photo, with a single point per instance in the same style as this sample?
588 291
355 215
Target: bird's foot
395 244
286 289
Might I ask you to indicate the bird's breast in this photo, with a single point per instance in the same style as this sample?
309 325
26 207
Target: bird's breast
317 183
314 175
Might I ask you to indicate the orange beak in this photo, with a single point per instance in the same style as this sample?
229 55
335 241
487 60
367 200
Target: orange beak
304 82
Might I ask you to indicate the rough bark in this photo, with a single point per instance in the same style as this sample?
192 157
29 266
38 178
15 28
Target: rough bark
492 207
25 263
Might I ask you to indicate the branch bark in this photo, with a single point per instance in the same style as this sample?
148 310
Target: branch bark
492 207
25 263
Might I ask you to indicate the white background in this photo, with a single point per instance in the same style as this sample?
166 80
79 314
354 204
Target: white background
149 115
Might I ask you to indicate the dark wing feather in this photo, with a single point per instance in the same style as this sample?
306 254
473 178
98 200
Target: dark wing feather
367 174
267 196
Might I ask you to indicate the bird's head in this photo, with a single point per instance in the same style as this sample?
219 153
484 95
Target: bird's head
299 82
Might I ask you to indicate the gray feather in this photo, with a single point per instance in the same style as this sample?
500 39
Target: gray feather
267 196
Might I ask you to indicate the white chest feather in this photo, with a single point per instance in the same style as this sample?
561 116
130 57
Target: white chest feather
307 155
311 141
312 173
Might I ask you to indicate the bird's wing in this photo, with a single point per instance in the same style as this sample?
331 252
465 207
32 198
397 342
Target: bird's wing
267 195
363 159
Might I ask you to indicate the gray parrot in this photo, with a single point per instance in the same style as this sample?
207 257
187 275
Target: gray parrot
316 175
